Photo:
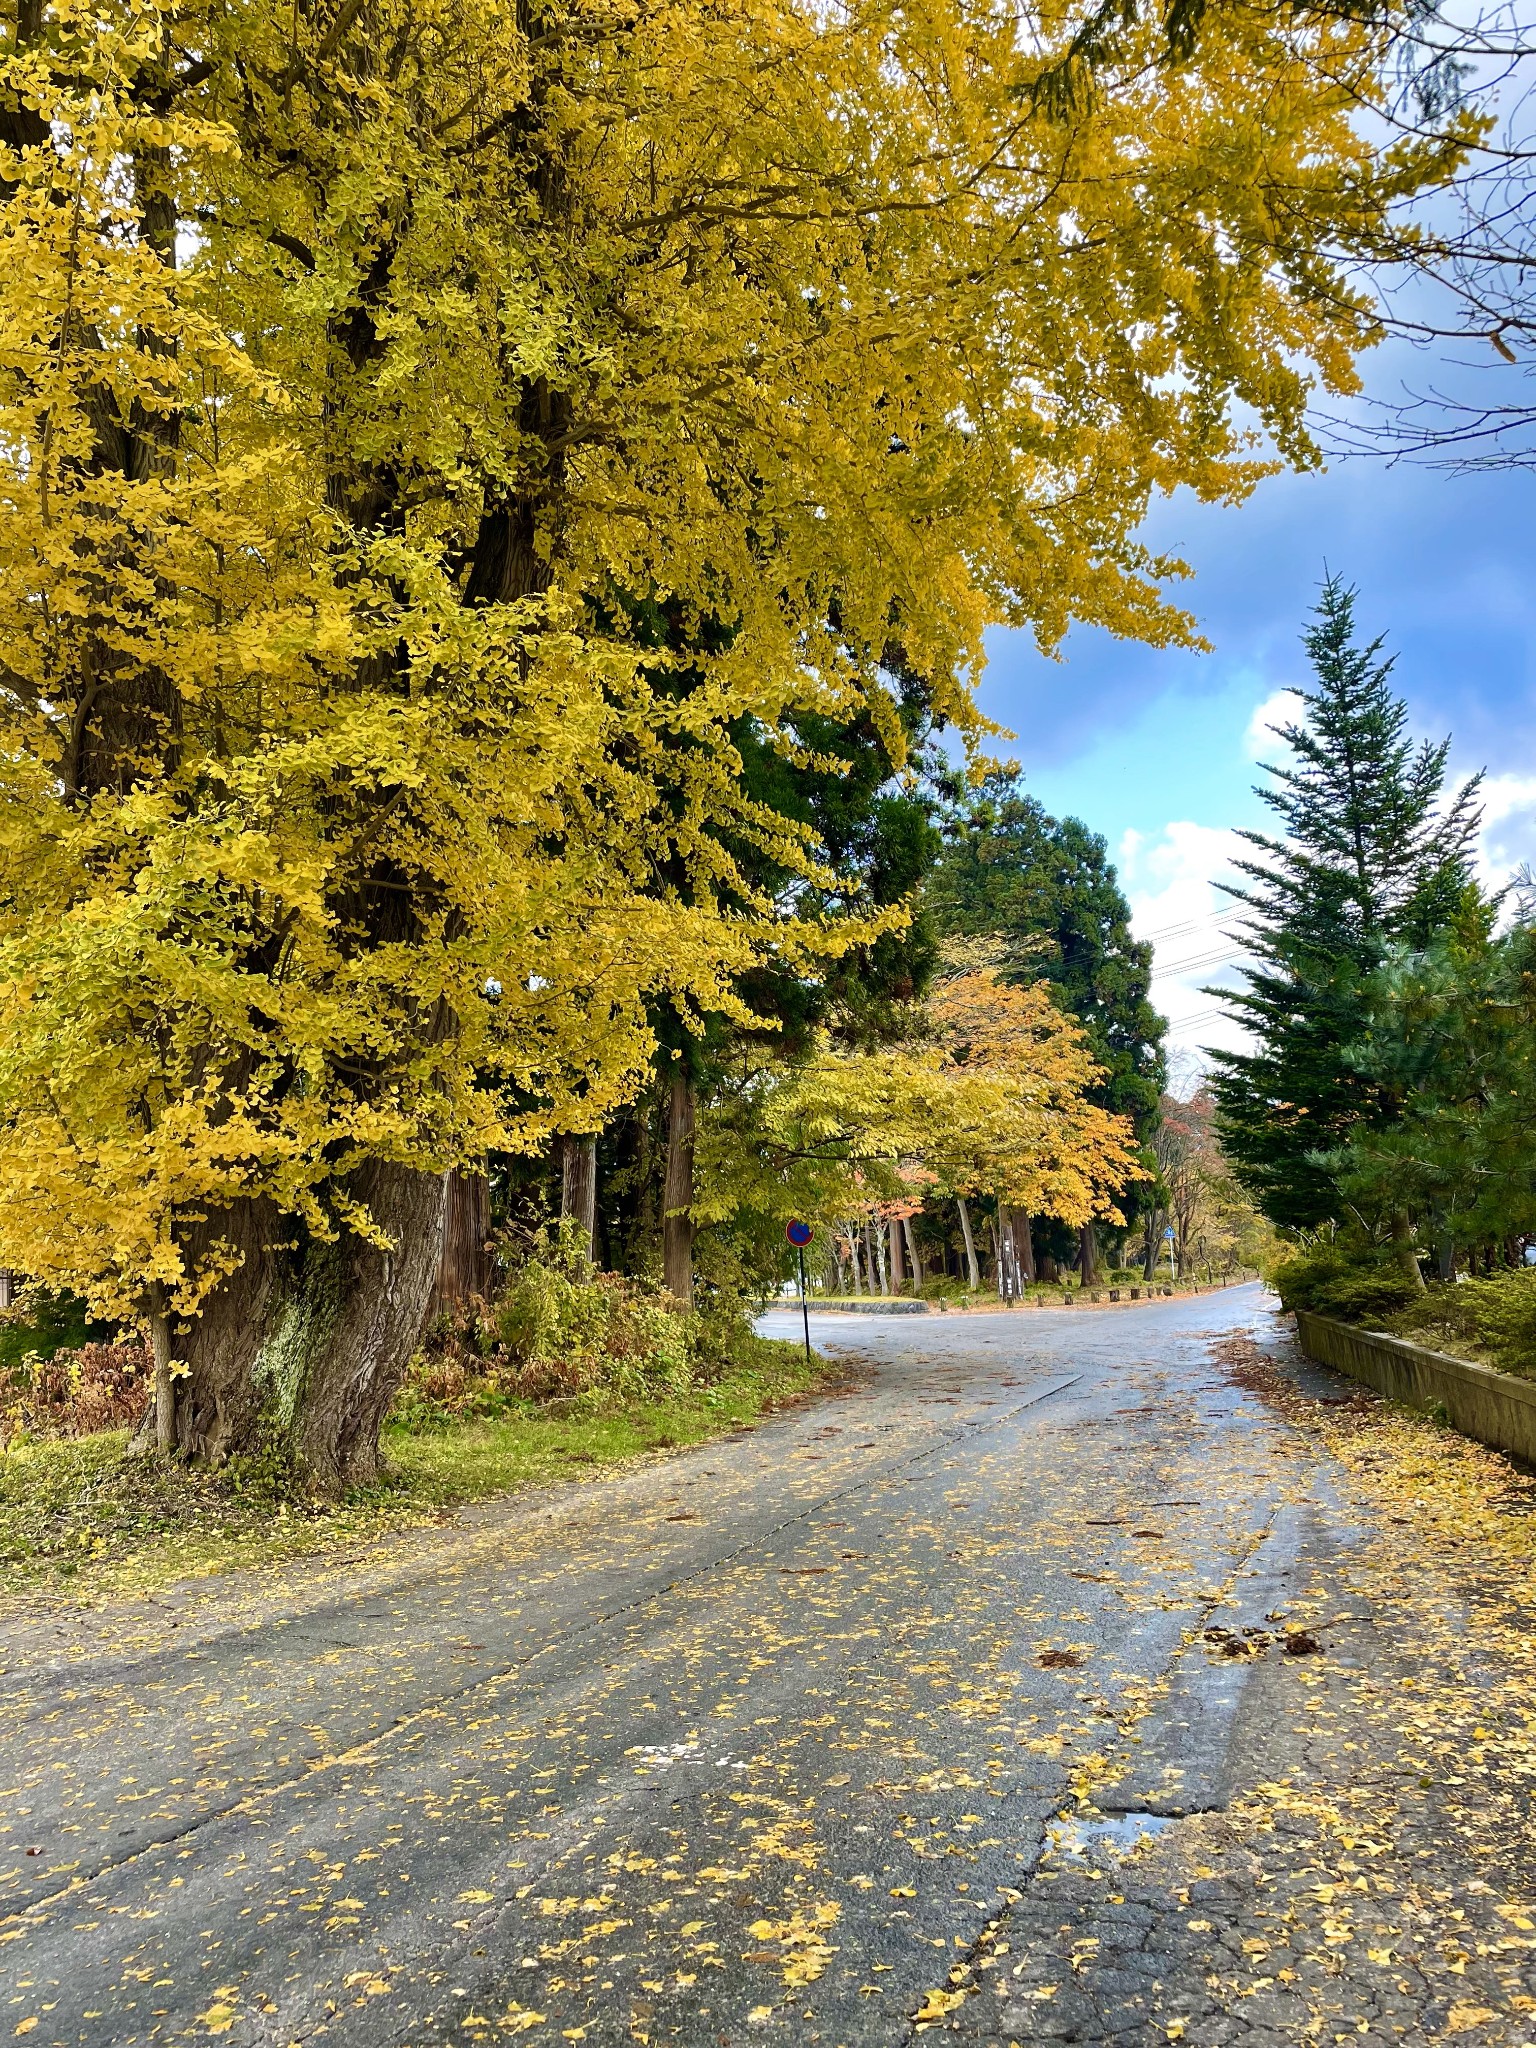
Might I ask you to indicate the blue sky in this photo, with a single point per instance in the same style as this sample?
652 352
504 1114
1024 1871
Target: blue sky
1157 750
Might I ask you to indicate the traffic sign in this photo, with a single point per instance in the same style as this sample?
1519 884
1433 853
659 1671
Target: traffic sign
800 1235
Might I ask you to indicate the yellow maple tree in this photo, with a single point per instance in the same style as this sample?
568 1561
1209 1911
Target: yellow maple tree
993 1100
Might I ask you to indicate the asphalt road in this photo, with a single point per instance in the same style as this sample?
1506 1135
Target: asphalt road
788 1735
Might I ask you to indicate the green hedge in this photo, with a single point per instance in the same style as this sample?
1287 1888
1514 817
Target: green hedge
1330 1283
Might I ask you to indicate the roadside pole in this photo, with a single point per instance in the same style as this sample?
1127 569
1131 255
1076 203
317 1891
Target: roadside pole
800 1235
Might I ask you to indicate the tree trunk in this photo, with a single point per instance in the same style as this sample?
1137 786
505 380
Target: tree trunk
1445 1254
466 1268
898 1269
853 1259
914 1255
160 1423
972 1269
1010 1274
677 1222
301 1350
1402 1245
1024 1244
876 1231
578 1187
1088 1255
1048 1270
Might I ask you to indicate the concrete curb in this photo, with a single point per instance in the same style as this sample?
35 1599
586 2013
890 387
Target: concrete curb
1494 1407
880 1305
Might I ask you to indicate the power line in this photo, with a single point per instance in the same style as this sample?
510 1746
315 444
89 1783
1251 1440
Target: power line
1226 958
1187 929
1189 925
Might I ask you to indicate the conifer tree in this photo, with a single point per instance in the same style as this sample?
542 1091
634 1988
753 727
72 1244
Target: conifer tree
1373 852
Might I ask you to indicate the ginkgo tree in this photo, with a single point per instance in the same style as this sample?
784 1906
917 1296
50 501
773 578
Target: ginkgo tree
359 359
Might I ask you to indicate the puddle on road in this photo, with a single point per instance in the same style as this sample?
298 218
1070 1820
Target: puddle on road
1121 1834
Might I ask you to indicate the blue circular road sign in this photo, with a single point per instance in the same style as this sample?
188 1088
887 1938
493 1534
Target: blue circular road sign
799 1233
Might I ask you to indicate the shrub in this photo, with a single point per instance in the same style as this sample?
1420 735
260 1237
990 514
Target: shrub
561 1330
75 1392
1495 1318
1354 1290
1367 1297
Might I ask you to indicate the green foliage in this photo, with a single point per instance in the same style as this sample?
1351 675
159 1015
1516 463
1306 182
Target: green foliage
1449 1036
563 1331
45 1320
1353 1289
1493 1320
1373 853
943 1287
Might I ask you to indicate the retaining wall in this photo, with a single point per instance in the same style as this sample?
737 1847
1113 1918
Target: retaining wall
1494 1407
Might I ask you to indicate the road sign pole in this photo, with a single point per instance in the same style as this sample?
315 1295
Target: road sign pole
805 1314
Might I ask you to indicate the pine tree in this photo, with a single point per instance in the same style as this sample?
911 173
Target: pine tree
1374 853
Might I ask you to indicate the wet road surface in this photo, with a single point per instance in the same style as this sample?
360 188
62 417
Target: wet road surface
789 1735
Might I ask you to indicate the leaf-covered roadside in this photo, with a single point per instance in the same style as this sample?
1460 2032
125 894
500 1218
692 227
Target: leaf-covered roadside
1490 1321
1430 1738
79 1515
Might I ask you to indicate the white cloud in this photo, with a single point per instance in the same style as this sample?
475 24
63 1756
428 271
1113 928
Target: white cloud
1170 878
1508 837
1280 707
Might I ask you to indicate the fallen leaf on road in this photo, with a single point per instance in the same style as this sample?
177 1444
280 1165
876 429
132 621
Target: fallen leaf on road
936 2003
517 2019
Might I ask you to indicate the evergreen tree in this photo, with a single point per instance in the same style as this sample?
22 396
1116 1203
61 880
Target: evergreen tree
1374 854
1452 1036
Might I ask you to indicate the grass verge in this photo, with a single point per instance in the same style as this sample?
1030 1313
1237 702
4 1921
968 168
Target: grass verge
78 1517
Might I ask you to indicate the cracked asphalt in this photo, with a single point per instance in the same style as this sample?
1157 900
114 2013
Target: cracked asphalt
961 1701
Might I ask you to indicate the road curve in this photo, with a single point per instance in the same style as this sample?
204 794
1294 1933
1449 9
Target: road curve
763 1739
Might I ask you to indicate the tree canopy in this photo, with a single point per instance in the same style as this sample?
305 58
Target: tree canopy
362 362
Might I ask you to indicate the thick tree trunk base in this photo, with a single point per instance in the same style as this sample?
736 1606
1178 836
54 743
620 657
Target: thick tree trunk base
297 1356
1088 1255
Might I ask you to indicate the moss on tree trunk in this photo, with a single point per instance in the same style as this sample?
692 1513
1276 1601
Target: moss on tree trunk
298 1354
